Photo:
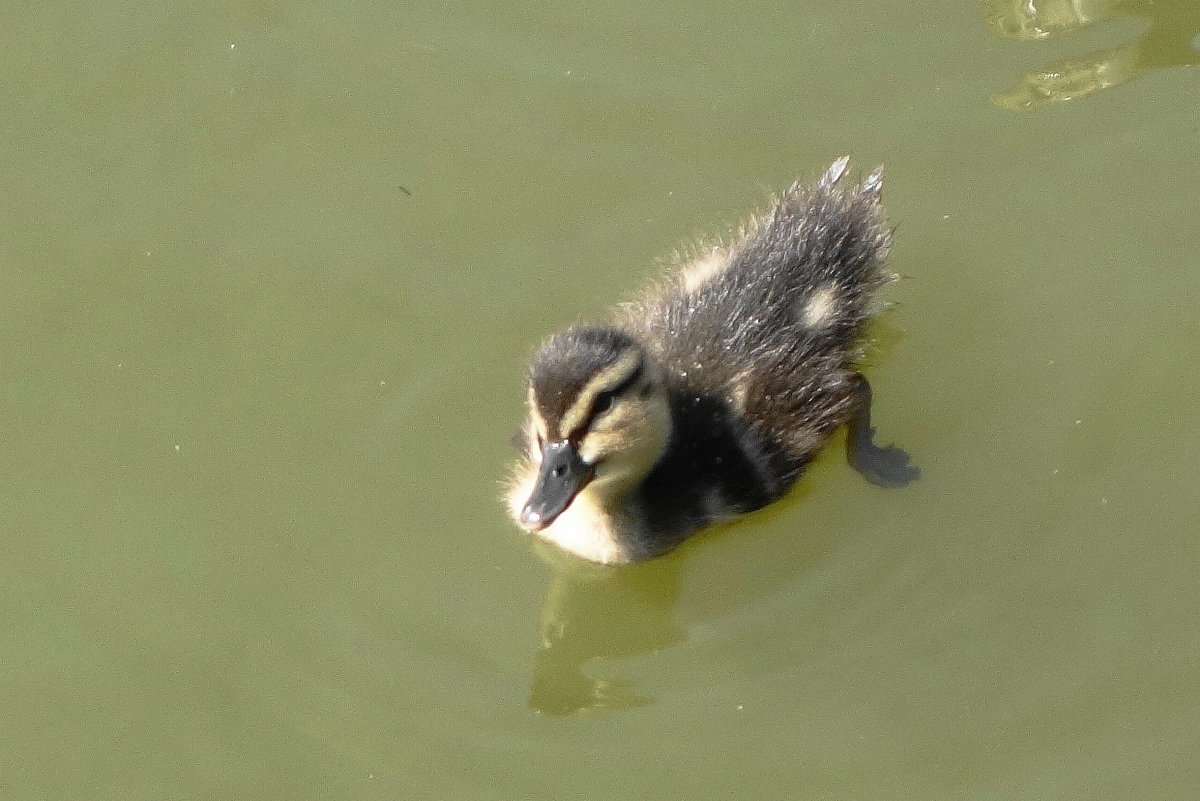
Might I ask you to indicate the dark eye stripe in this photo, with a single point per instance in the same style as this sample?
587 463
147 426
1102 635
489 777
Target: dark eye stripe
614 393
629 381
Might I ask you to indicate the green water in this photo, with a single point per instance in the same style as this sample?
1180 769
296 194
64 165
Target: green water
268 275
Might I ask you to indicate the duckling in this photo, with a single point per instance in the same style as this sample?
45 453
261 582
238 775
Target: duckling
706 398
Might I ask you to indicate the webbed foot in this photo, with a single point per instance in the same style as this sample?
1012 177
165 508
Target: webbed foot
884 466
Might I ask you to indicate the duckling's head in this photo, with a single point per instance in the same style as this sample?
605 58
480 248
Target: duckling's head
598 421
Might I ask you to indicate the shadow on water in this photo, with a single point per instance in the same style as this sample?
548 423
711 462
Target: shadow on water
1172 39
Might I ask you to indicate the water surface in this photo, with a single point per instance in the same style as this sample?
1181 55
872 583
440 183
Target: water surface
268 275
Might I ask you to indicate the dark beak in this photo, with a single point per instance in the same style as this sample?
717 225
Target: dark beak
562 476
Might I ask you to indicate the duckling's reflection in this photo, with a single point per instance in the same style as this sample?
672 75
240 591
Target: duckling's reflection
1171 40
595 613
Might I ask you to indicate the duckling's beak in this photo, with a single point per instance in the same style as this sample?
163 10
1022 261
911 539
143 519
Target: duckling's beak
562 476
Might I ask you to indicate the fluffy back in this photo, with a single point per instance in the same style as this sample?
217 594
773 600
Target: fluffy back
775 319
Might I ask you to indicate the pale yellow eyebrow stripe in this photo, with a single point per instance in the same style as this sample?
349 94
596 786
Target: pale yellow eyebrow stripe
605 379
540 430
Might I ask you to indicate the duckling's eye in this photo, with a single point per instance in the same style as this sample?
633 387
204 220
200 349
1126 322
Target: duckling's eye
604 402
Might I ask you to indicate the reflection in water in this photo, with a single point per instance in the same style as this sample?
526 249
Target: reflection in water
594 614
594 611
1171 40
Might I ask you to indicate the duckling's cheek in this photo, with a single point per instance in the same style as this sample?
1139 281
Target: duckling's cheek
589 452
599 445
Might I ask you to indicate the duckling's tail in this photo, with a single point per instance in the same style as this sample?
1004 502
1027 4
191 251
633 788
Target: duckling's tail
824 244
872 185
835 172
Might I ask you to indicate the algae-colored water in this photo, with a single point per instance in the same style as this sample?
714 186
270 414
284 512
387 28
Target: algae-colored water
268 275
